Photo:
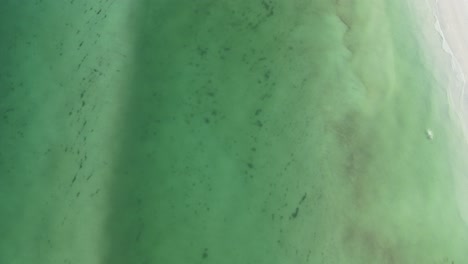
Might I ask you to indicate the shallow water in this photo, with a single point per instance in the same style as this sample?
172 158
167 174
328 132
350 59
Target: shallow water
222 132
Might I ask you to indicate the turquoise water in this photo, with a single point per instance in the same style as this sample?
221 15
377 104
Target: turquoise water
222 132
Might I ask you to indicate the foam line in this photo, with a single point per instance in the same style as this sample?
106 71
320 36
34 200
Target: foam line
456 67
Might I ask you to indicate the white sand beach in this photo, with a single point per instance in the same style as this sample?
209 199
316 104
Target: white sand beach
453 19
234 131
452 16
449 26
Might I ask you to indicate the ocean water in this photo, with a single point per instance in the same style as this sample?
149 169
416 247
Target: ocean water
223 132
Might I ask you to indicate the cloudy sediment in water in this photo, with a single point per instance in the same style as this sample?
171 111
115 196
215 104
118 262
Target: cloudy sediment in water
232 132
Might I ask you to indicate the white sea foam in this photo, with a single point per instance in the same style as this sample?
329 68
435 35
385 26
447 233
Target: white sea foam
457 89
447 16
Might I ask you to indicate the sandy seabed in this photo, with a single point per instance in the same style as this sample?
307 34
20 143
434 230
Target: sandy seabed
232 132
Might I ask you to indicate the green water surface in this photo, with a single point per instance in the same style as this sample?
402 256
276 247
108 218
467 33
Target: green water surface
157 131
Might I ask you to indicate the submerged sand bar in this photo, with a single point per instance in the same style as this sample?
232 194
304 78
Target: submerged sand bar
233 132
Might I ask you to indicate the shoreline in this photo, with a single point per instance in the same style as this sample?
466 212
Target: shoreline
234 133
443 37
448 24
